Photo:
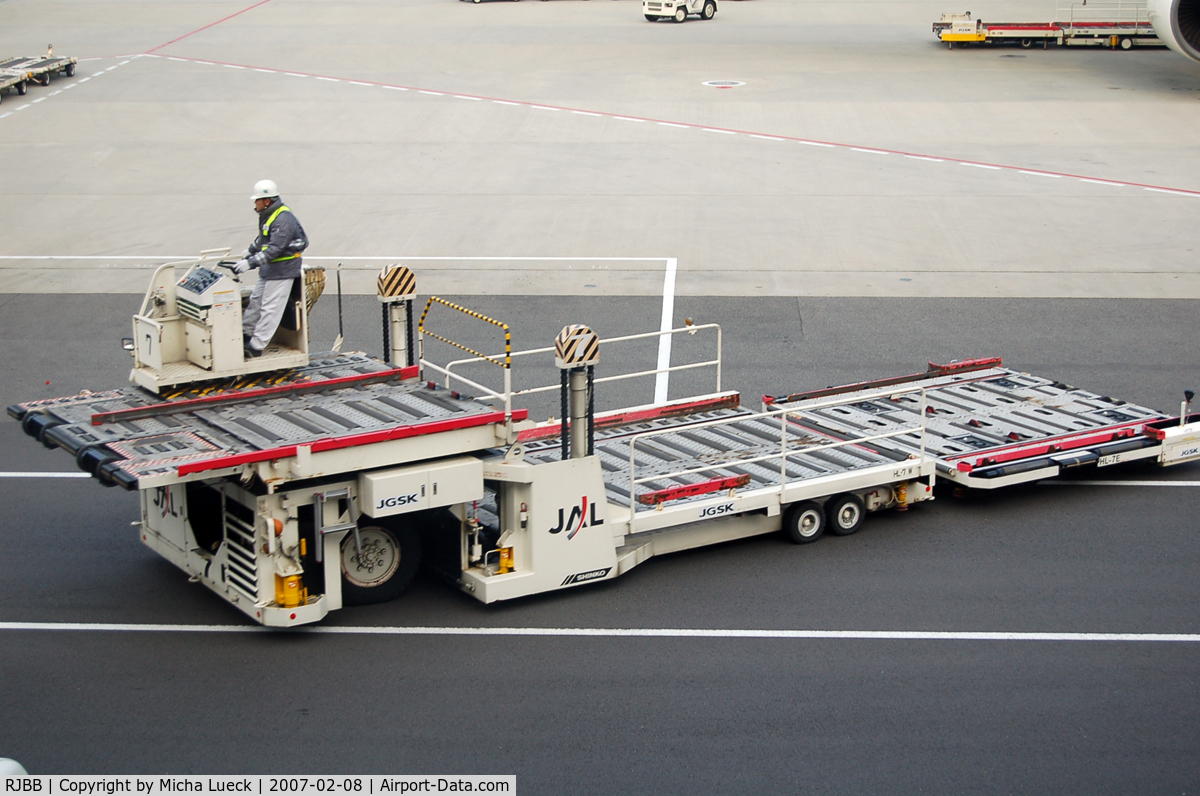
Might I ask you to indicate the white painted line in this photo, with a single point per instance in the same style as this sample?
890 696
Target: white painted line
125 62
231 66
585 113
1165 190
922 157
84 79
97 74
672 124
714 130
480 99
330 79
667 323
500 102
1102 182
980 166
817 143
628 119
767 137
114 66
616 632
544 108
52 93
2 115
294 74
173 58
264 71
396 88
437 93
1041 174
357 83
23 107
1120 483
69 85
869 151
41 99
44 475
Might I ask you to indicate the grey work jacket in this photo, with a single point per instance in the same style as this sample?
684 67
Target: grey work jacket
276 253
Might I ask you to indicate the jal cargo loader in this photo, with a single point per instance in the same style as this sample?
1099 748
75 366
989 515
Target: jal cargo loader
295 491
1119 24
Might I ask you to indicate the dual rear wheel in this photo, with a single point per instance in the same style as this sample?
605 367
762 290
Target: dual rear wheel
807 521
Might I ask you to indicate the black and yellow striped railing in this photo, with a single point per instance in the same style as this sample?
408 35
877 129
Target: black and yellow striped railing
506 364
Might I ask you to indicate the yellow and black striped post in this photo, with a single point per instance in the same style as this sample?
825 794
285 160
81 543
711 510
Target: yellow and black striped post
576 352
396 288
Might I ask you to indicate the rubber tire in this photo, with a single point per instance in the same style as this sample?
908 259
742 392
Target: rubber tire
680 14
843 509
709 11
406 542
70 70
1026 43
22 87
804 522
44 78
1126 43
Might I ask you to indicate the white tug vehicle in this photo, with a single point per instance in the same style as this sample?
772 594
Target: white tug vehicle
301 482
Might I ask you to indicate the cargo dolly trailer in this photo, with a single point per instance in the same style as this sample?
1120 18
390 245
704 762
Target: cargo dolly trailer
13 80
39 68
1117 25
291 493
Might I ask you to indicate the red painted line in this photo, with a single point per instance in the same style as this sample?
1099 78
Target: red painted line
251 395
209 25
351 441
834 144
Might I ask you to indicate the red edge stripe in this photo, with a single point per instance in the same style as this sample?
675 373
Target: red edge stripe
621 417
1041 448
353 440
99 418
691 490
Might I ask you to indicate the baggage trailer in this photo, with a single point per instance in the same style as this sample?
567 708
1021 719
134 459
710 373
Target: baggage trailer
39 68
11 79
1115 24
292 493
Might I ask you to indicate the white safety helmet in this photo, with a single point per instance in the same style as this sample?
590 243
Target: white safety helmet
265 189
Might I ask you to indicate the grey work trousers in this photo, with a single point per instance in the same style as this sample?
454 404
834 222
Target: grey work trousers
262 314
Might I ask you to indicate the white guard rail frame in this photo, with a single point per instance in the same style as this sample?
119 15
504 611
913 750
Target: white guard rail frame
783 454
509 393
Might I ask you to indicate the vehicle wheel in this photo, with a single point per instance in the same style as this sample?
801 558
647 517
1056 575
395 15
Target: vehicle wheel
70 70
710 10
22 87
845 514
804 522
680 14
389 561
1126 43
1026 43
44 78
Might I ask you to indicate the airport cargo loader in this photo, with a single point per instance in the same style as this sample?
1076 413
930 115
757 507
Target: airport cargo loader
1118 25
295 491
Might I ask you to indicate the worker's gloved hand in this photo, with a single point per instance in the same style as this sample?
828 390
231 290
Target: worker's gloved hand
241 266
245 255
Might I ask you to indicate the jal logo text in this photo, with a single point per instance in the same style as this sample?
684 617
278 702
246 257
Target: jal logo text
397 500
577 520
716 511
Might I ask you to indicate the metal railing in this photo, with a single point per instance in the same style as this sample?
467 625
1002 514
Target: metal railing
783 454
1088 14
509 393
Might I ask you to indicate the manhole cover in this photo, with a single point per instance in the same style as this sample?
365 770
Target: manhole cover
723 83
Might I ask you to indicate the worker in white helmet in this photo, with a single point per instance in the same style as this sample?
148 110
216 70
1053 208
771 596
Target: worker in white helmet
275 252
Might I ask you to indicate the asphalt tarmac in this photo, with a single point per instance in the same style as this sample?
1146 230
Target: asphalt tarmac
865 203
